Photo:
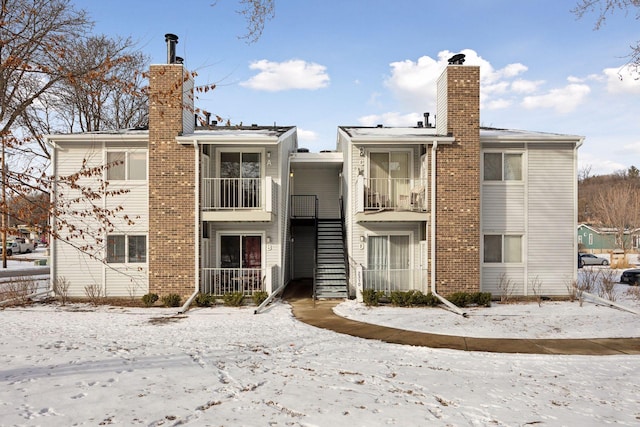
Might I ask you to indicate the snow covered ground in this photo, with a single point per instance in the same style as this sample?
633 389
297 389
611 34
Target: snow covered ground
84 365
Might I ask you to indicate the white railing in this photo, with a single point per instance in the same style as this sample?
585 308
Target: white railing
395 280
233 193
402 194
220 281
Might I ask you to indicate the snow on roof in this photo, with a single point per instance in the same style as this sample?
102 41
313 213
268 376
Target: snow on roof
524 135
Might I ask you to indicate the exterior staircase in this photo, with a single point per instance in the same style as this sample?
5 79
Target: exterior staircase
330 279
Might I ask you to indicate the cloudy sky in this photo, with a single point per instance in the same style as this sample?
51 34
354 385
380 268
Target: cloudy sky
320 64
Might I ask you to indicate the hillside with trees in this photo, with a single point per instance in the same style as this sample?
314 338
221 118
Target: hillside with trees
611 201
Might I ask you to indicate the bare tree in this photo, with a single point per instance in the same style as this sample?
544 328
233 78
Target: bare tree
604 8
37 60
618 207
256 14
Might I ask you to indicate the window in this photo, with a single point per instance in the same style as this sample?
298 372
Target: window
124 165
388 262
133 249
240 251
240 182
590 239
499 248
503 166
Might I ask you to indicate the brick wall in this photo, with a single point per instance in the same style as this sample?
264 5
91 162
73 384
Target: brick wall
458 185
171 187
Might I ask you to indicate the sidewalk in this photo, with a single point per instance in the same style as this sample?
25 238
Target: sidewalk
322 316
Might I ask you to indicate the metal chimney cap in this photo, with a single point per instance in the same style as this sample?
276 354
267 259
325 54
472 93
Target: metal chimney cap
171 37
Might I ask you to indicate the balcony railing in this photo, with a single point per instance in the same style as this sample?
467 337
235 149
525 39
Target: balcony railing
236 193
304 206
220 281
401 194
390 280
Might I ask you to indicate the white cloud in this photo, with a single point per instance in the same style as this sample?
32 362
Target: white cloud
598 164
374 99
392 119
623 80
292 74
498 104
563 100
526 86
307 135
633 148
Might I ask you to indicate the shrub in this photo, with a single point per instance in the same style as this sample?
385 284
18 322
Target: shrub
149 299
482 299
204 300
431 300
233 299
94 293
400 298
171 300
506 287
61 289
371 297
259 297
460 299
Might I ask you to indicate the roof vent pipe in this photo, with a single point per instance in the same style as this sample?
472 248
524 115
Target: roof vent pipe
179 60
172 41
426 120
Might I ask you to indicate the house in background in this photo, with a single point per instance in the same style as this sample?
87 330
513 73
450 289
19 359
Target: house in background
594 239
445 208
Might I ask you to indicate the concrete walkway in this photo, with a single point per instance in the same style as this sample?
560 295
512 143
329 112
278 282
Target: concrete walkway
321 315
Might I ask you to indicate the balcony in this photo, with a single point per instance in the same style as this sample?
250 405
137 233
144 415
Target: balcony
238 199
220 281
391 199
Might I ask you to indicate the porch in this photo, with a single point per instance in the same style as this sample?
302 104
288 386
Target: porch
238 199
220 281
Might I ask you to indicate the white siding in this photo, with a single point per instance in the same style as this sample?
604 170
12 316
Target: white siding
324 183
551 218
495 279
503 207
77 266
542 209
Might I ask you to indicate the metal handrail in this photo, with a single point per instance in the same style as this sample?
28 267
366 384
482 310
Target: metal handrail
303 206
344 237
315 255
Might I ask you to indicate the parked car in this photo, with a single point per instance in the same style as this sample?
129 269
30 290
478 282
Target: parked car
632 277
590 259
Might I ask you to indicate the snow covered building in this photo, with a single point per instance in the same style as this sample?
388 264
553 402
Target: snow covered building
444 208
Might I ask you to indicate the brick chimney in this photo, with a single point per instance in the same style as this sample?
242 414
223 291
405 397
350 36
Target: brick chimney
458 181
172 182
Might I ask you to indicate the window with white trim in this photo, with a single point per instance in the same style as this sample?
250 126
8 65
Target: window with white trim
502 167
502 248
123 248
127 165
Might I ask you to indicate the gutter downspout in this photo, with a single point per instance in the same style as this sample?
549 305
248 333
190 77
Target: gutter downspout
446 302
611 303
53 199
196 231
